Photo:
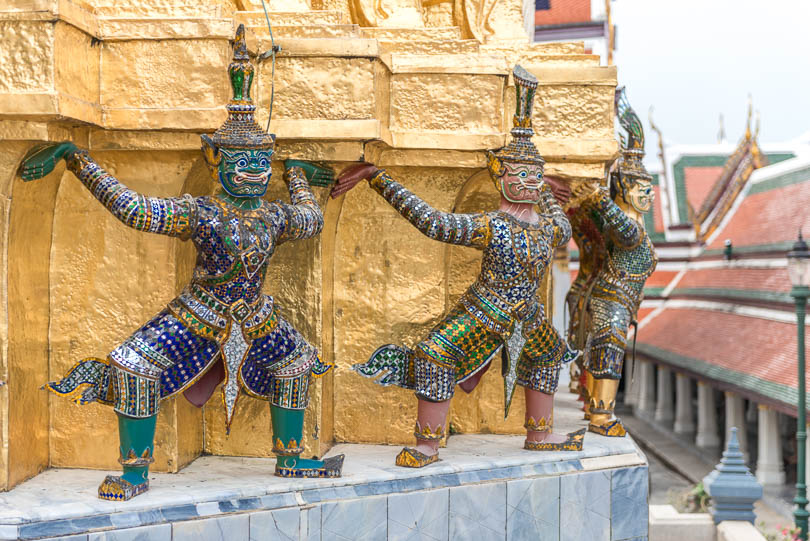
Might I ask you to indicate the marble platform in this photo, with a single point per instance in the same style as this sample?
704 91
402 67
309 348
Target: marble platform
485 487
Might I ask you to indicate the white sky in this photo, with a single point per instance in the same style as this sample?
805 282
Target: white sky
695 59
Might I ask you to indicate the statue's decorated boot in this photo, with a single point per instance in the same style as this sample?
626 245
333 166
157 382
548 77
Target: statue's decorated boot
602 404
288 431
412 458
613 428
573 442
117 488
293 466
137 437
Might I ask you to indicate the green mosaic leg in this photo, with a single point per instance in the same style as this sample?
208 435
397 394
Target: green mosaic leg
136 437
288 431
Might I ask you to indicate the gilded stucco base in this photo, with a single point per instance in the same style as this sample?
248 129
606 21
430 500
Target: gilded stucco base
137 82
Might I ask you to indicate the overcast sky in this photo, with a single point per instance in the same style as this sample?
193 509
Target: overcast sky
695 59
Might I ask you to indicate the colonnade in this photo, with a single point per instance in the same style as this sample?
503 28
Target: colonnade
691 414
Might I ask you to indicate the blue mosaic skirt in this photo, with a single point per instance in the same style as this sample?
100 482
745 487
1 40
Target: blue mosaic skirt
164 357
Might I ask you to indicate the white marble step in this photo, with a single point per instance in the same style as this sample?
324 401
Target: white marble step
482 483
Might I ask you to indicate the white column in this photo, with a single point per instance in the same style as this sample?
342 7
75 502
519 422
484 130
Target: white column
684 413
645 407
735 416
664 412
630 384
707 418
770 469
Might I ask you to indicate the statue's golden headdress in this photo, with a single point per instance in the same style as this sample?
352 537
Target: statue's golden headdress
240 130
520 149
631 163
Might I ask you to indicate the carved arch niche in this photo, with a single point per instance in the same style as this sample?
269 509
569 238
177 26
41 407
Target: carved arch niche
27 221
105 281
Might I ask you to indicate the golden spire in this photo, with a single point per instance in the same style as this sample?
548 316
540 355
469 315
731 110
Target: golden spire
748 120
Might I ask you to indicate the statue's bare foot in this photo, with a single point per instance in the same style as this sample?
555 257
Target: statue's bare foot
546 437
555 442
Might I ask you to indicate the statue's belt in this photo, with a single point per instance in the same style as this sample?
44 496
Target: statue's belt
497 313
210 317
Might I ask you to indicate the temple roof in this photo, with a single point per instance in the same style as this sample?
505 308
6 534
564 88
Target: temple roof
731 320
751 355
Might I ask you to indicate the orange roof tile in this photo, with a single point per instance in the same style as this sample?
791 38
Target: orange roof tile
564 11
736 278
768 217
660 278
759 347
699 182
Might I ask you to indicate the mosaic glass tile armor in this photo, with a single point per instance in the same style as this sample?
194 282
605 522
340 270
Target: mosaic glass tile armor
618 289
221 314
502 305
626 256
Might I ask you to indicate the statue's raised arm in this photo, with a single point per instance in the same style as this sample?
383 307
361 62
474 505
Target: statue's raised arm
552 209
616 224
173 216
462 229
303 216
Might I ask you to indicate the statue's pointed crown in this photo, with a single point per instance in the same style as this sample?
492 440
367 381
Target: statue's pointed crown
632 145
240 130
521 149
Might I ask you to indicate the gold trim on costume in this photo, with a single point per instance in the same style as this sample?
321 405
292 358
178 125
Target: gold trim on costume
411 458
134 460
572 443
602 404
428 434
291 449
540 425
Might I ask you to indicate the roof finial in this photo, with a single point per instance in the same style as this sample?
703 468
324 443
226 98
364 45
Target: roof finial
748 120
657 130
756 128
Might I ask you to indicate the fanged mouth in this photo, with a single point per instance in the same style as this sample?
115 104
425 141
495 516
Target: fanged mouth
243 177
521 186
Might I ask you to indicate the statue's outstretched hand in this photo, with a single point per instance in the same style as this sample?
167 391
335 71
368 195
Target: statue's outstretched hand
586 191
560 189
351 176
42 160
317 173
